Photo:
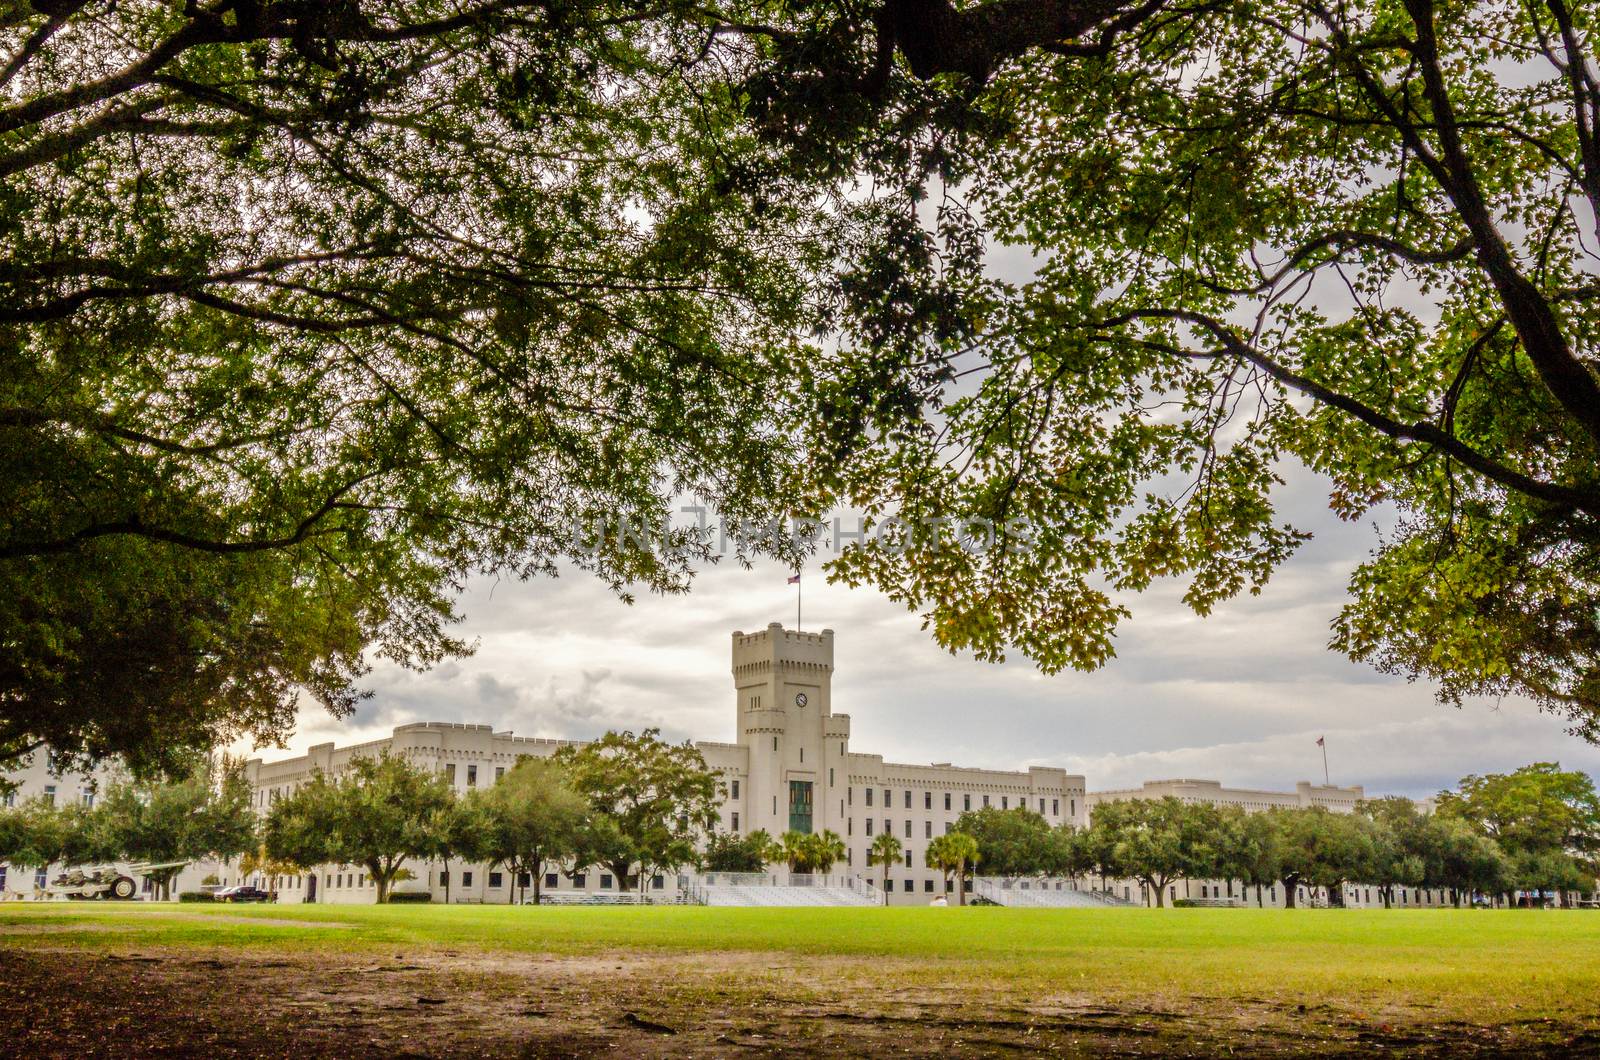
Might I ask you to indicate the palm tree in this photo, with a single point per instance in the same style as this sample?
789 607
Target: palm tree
768 848
953 852
823 850
885 851
797 850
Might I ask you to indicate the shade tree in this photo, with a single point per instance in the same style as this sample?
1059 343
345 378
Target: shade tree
377 813
207 815
650 802
532 815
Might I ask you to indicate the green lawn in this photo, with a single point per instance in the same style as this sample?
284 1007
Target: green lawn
1479 966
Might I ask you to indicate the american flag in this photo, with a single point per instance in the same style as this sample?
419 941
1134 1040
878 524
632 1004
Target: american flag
794 579
1321 742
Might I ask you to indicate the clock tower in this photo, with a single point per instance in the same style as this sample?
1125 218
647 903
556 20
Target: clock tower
797 747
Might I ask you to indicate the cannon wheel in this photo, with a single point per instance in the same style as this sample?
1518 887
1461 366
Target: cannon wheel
124 888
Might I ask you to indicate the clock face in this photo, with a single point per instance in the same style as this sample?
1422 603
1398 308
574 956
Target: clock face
800 699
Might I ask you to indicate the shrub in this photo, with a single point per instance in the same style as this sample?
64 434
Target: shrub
196 896
409 897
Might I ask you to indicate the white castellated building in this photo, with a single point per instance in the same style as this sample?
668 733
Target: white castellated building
790 766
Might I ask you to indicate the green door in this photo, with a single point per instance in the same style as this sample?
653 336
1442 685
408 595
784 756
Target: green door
800 805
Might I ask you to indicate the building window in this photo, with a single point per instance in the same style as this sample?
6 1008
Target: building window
1005 802
869 826
735 820
466 879
736 789
802 752
849 796
927 886
449 775
948 827
830 776
1055 807
908 828
927 829
869 796
499 772
800 805
911 885
966 802
888 798
849 826
927 800
87 798
605 881
986 801
1041 807
472 776
580 879
1074 807
908 798
658 883
774 743
444 878
552 879
841 748
496 879
49 794
908 858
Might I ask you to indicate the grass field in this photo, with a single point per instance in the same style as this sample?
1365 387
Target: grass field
675 979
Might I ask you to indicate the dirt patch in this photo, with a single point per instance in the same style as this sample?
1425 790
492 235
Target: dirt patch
227 1003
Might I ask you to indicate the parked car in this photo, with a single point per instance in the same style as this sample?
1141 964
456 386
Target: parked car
244 893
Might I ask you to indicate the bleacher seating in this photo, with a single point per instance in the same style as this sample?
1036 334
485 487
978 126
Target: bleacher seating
1043 894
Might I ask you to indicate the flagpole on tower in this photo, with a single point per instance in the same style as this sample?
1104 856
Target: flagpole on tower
1322 742
794 580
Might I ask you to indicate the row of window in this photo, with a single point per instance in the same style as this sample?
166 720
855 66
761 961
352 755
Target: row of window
85 796
966 801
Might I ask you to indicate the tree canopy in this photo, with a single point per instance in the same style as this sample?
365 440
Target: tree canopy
376 813
312 312
650 802
207 815
530 816
1016 841
1359 238
309 312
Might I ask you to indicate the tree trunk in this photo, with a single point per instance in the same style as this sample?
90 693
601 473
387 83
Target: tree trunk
381 879
1288 894
1161 896
961 882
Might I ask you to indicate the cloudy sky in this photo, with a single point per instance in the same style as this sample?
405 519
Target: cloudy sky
1240 696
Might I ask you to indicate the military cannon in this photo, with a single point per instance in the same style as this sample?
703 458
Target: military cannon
104 881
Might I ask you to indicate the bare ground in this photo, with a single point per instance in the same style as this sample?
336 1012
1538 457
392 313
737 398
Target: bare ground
226 1003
